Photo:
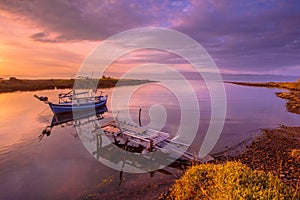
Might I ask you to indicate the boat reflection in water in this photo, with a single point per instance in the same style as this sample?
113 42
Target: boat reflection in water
66 118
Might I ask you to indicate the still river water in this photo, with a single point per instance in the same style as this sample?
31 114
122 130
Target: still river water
59 166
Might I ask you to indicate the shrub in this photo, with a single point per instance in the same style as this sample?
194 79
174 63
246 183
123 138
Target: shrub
231 180
12 78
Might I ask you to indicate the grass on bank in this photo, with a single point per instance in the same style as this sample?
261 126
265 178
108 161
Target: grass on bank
291 85
231 180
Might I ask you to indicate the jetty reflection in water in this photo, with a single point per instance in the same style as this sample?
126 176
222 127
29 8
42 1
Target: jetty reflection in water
114 152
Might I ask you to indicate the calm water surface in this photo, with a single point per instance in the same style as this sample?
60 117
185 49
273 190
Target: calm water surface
59 166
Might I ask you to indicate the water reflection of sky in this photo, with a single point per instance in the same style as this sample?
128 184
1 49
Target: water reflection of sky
60 167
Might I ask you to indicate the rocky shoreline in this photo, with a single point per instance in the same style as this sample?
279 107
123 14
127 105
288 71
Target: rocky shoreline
276 151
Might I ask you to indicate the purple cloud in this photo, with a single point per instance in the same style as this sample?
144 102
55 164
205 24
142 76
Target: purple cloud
258 36
91 20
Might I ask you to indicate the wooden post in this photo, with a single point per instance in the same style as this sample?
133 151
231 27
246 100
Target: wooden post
151 145
140 112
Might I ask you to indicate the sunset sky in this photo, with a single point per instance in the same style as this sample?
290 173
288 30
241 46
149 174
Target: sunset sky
51 38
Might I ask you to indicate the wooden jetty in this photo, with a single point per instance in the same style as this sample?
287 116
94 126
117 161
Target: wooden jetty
125 137
147 140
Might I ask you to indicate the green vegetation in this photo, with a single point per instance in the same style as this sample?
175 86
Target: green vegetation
231 180
14 84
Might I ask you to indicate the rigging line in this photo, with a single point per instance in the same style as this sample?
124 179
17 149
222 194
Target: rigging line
44 118
43 110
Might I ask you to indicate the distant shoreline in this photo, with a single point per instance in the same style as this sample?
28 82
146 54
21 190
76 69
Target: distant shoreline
295 86
14 84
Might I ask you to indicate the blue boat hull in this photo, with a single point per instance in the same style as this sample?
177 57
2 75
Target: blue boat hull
67 117
69 108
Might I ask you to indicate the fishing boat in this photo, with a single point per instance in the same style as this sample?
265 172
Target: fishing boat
75 102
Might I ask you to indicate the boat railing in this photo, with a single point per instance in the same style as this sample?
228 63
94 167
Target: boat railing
69 97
